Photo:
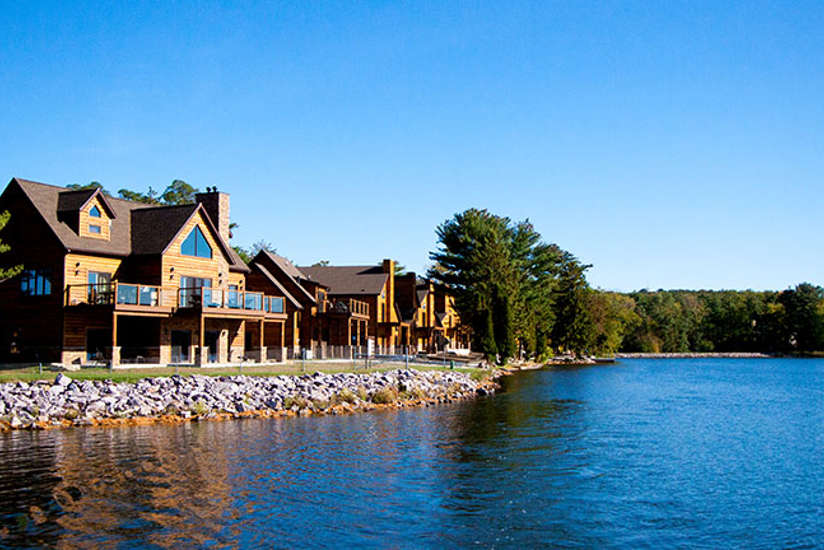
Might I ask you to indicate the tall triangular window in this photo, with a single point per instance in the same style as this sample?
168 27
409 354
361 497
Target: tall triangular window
196 245
94 212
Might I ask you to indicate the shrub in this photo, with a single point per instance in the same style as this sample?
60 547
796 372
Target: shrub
345 396
479 376
295 401
71 414
200 408
413 393
320 404
385 396
362 394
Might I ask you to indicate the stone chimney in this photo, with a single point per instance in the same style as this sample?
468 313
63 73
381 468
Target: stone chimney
389 268
216 205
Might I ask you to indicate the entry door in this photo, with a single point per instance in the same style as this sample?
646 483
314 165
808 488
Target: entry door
97 341
211 337
100 287
181 344
190 290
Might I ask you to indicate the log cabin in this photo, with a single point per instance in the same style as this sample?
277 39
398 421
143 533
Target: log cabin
113 281
428 309
370 289
326 326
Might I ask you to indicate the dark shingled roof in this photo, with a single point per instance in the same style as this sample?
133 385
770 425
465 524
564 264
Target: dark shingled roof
136 228
287 267
348 280
277 284
154 228
73 200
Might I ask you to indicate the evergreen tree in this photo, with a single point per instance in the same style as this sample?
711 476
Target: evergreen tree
501 268
573 329
8 272
504 335
179 192
486 337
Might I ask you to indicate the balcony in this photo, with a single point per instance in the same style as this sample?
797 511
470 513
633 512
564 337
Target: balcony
124 297
274 305
353 307
229 302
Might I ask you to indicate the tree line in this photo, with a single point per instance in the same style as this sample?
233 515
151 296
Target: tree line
788 321
177 192
523 296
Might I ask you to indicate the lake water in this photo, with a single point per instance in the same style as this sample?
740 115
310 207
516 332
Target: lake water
645 453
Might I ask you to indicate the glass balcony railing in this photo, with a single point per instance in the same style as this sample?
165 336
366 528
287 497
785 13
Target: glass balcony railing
273 304
138 295
229 299
114 293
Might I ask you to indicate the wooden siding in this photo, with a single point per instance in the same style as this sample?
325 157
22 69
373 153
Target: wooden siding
103 221
76 272
175 265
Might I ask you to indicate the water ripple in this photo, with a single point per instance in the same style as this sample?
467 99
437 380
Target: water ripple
648 454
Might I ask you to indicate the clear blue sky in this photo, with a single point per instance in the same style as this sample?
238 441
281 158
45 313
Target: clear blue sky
670 144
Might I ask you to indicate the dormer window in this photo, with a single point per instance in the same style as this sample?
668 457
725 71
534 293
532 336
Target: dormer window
196 245
94 229
94 212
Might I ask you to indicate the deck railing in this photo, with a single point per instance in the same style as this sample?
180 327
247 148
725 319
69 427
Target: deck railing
114 292
213 298
350 306
273 304
358 307
135 294
138 295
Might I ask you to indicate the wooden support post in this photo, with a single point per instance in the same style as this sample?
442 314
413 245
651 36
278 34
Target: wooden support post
115 357
201 343
114 330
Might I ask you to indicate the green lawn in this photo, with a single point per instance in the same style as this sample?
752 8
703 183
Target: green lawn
29 374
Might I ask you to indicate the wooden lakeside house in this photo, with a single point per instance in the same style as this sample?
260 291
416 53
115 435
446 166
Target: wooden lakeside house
429 310
117 281
368 288
324 325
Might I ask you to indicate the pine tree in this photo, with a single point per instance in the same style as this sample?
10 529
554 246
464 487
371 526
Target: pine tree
504 336
487 337
9 272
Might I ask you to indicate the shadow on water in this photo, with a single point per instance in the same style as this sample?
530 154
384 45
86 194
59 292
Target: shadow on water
77 487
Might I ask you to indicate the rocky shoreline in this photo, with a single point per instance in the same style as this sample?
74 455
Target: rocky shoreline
66 402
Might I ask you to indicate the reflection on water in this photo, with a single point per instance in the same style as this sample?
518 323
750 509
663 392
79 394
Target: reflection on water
678 453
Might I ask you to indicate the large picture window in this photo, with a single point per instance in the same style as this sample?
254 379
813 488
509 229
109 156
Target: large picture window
196 245
36 282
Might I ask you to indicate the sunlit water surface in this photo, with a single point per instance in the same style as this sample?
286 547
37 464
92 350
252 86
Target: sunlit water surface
645 453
